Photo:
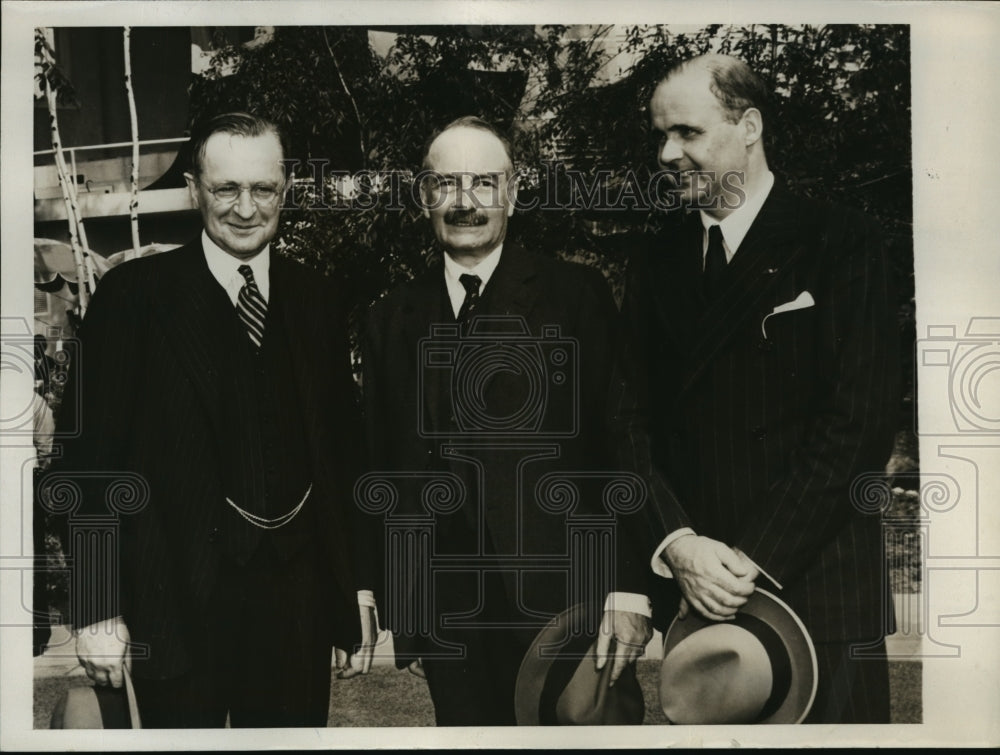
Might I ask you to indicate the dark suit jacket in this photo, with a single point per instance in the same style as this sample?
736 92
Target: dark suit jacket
467 391
150 378
766 431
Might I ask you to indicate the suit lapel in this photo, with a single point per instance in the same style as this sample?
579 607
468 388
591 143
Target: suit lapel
297 310
512 291
513 286
424 308
676 260
768 253
193 312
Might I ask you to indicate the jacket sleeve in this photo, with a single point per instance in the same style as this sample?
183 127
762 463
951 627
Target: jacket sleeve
91 475
631 410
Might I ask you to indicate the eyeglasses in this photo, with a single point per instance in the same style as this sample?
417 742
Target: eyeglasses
485 184
230 193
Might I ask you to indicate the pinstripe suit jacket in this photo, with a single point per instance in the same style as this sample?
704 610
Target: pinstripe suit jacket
764 431
150 378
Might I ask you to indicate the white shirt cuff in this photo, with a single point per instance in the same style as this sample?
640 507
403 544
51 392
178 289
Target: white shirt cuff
366 599
628 601
658 565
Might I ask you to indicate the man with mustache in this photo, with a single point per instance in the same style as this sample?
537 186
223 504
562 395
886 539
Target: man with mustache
449 395
215 379
766 350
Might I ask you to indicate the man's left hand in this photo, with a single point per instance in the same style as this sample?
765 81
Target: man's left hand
631 633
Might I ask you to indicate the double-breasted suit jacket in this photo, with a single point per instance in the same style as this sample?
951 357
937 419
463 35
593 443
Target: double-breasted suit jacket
160 401
511 409
766 426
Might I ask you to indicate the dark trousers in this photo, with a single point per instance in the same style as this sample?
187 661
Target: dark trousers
269 663
850 691
477 688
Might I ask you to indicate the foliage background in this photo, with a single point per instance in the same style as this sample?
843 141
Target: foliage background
575 97
841 126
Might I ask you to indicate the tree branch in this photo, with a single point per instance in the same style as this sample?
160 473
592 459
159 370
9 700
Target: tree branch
357 113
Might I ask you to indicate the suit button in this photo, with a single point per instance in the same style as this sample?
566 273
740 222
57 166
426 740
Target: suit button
213 536
759 433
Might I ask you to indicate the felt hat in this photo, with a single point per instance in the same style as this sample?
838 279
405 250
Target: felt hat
558 683
759 668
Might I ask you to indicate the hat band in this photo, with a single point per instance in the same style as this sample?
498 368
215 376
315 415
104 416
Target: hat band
777 653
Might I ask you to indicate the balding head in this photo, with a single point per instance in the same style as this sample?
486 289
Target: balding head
735 85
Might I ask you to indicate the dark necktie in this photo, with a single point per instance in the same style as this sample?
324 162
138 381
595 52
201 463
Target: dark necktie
251 307
715 262
471 283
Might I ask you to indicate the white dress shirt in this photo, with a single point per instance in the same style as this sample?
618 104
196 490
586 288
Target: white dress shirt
484 269
225 268
735 225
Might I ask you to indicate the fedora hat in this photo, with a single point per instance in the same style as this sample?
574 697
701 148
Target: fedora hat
758 668
94 707
558 683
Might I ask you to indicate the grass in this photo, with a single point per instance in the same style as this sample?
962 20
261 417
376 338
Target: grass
388 697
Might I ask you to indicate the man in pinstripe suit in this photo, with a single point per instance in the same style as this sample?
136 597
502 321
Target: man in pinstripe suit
763 336
218 374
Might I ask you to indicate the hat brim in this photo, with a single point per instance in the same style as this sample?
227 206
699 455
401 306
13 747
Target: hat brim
537 662
799 645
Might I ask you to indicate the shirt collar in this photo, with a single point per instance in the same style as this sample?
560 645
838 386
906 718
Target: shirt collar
225 268
484 269
736 225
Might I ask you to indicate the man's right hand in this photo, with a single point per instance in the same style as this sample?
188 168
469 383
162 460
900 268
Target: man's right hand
101 649
713 578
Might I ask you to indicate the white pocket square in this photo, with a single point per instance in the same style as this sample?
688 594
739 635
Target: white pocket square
802 301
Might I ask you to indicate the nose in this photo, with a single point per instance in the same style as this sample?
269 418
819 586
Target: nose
462 191
670 150
245 206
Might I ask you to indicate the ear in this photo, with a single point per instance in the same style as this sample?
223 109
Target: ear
192 184
753 126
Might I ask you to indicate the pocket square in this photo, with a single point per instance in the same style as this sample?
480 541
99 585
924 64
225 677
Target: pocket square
802 301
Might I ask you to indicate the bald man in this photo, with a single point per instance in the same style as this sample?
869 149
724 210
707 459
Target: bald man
762 327
504 537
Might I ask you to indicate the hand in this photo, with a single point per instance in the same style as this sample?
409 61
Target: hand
750 570
101 650
417 668
713 578
631 633
350 665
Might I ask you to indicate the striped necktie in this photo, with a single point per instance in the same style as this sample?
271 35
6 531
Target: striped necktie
251 307
471 284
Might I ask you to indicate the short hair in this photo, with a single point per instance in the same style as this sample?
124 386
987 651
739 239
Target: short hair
237 124
735 84
468 121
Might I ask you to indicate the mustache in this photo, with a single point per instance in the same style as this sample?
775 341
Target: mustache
465 217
